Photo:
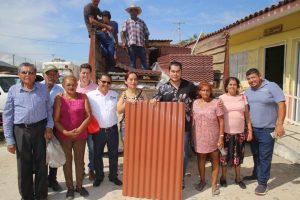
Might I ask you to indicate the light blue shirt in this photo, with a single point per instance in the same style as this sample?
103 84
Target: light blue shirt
24 107
54 91
263 104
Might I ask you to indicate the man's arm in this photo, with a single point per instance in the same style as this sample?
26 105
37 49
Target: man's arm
279 130
96 23
8 122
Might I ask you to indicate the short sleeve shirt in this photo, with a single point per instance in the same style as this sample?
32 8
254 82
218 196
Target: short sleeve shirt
263 104
185 93
90 10
104 107
234 113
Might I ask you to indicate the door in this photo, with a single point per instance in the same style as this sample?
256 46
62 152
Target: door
296 112
274 64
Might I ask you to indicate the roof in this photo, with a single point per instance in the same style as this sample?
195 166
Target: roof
247 18
195 68
5 64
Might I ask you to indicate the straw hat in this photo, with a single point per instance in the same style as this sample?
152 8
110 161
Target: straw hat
134 7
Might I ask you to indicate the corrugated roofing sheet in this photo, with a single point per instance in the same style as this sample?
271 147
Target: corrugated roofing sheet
153 150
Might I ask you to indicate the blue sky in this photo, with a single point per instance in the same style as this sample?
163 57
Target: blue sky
27 25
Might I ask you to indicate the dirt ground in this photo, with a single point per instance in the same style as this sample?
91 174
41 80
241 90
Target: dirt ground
283 185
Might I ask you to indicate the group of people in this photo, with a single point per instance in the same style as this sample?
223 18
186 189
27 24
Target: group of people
219 127
35 112
134 34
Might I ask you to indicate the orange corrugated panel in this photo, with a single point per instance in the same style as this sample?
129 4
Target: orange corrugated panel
153 150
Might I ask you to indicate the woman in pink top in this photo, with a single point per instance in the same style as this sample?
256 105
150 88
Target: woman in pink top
208 132
72 114
235 114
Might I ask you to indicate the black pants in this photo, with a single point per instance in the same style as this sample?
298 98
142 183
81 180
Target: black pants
111 138
31 159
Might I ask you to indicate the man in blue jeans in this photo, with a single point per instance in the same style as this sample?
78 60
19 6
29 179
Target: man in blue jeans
135 36
267 112
178 89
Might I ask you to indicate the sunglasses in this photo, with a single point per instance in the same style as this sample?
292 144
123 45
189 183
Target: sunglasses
27 72
105 82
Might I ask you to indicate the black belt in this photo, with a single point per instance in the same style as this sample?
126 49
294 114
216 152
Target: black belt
31 125
109 128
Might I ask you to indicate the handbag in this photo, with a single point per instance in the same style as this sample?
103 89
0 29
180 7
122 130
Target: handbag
93 127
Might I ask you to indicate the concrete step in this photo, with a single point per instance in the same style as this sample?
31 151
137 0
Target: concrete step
288 146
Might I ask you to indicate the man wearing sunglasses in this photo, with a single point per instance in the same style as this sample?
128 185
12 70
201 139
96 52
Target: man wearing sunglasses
104 106
28 123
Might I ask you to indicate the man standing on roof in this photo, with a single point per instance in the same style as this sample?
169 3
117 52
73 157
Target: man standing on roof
135 35
92 18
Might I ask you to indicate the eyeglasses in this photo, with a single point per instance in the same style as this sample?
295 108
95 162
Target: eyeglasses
27 72
105 82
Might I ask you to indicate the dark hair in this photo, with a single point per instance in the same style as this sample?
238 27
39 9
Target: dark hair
106 13
205 84
226 82
85 66
27 64
104 74
252 71
175 63
128 74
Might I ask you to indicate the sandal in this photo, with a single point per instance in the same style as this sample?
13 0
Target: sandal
200 186
215 190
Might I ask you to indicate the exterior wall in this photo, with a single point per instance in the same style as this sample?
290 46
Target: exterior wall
250 46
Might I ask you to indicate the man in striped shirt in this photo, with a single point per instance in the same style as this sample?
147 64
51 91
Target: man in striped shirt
135 36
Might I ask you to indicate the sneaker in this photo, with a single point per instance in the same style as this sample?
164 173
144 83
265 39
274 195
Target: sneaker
200 186
223 182
215 190
55 186
261 190
82 191
241 184
116 181
70 194
91 175
252 177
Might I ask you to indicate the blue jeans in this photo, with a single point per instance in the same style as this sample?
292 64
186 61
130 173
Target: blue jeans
108 48
135 52
186 151
262 147
90 144
111 138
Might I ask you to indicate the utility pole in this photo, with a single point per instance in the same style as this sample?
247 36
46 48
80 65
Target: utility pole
13 59
178 28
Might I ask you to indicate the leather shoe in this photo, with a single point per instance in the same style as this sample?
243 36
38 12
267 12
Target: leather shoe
91 175
116 181
97 182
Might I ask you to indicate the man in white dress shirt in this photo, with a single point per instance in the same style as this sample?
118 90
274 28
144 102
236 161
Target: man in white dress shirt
104 105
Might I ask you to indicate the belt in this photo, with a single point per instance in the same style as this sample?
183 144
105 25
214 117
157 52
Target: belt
32 125
109 128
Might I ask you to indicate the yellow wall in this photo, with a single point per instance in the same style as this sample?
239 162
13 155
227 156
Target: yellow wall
253 40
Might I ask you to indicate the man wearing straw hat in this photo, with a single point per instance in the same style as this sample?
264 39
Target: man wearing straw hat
135 36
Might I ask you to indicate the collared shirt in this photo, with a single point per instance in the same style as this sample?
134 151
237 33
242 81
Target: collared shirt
263 104
90 10
90 87
136 32
26 107
104 107
54 91
185 93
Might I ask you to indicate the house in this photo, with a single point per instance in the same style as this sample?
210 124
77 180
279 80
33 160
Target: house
269 40
6 68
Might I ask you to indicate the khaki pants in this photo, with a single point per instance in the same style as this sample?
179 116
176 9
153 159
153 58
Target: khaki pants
78 146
